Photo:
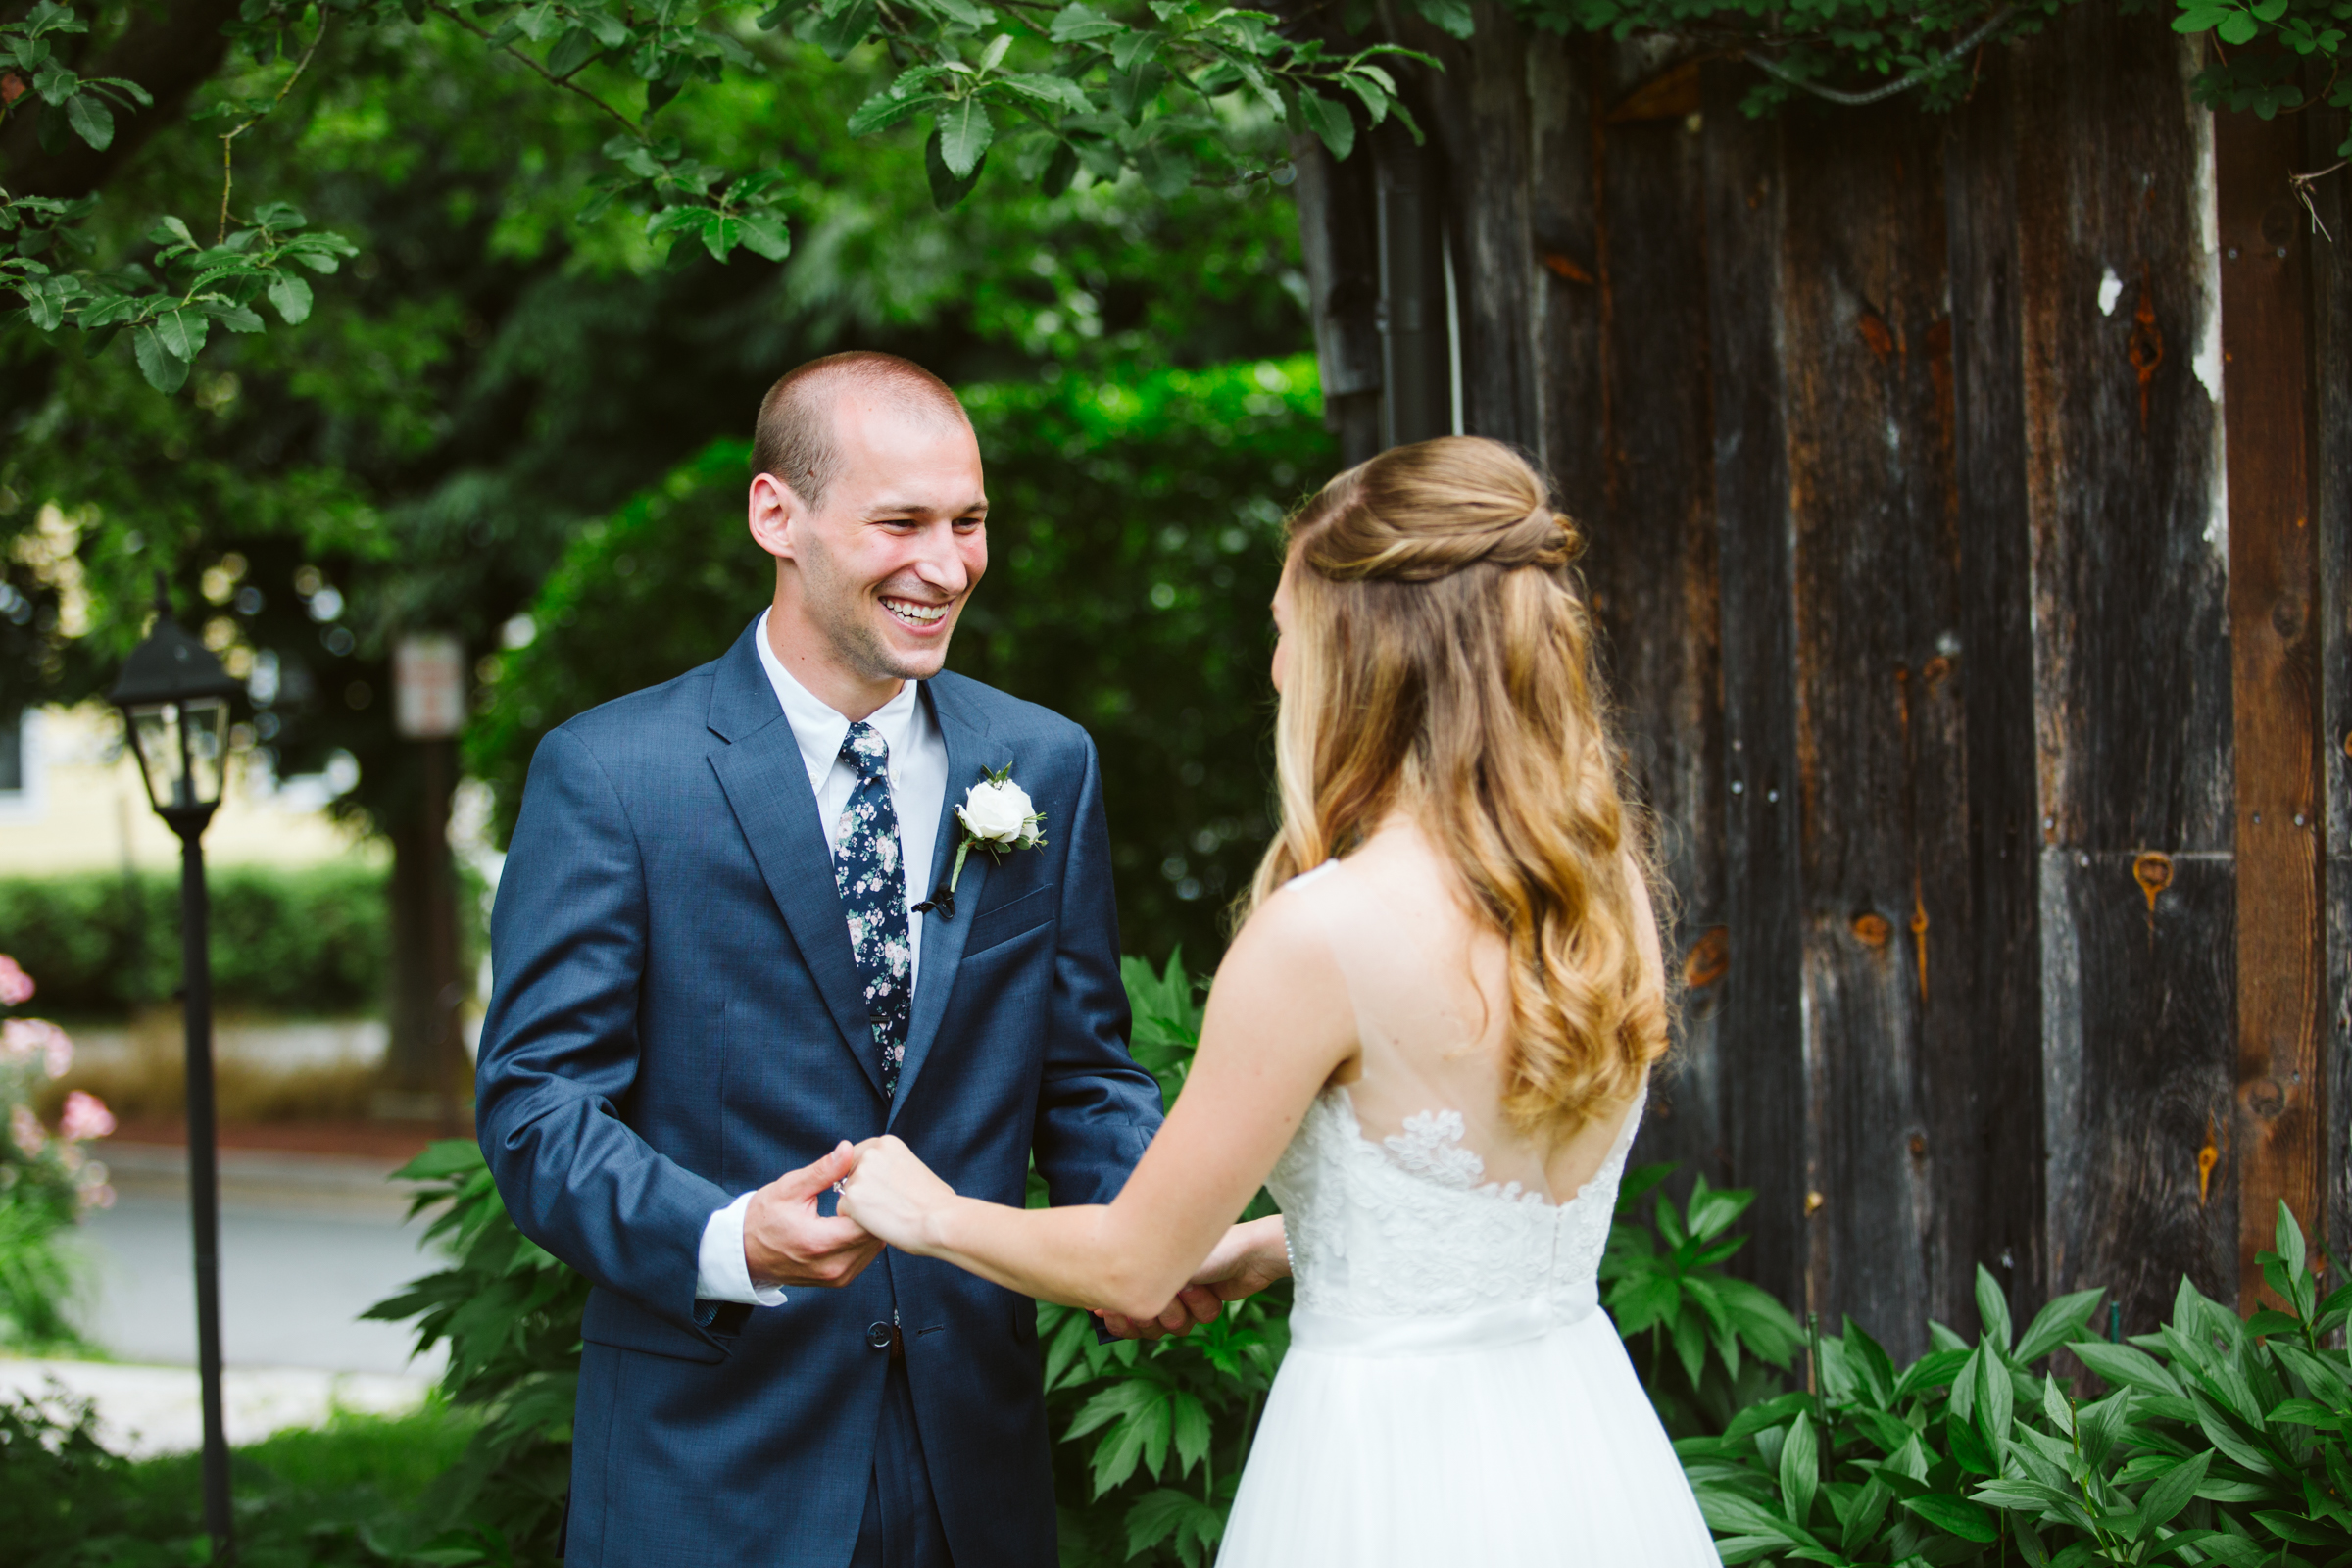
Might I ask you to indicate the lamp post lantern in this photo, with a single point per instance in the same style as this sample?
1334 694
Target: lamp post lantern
175 700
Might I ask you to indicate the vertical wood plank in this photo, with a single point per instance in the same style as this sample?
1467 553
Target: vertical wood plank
1338 242
1880 746
2331 523
1766 1127
2120 331
1983 1101
1563 224
1651 569
2274 679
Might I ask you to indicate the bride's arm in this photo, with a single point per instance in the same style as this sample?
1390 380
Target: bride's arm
1279 1025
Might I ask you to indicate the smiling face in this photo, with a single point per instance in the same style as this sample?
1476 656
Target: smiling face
870 580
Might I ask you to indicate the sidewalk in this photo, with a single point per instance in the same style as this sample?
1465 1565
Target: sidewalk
308 1243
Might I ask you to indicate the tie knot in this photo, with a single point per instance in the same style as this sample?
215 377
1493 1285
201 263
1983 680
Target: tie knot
868 752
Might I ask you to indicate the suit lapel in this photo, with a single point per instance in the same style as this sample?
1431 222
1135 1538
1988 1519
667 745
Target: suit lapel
767 784
971 751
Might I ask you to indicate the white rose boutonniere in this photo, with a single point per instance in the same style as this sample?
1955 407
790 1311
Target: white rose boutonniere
996 817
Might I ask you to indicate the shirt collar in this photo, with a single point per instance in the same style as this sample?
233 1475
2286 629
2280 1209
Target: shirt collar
818 729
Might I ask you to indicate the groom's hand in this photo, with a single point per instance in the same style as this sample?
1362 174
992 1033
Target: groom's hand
787 1242
1194 1304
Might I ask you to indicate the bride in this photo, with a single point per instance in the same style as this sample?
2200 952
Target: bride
1431 1038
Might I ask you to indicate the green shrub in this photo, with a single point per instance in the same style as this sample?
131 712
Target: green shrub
307 941
338 1497
2220 1441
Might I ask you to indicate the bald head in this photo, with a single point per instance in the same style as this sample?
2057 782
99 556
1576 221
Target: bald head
796 440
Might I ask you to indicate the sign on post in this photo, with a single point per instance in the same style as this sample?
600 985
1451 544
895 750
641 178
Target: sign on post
428 676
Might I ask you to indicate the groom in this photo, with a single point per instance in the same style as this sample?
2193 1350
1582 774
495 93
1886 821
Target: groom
724 945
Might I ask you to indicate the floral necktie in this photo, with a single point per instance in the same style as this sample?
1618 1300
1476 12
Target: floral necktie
873 894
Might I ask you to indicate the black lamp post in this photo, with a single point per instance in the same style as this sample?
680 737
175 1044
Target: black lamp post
174 699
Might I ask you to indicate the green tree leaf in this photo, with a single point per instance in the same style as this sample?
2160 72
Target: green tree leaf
291 294
165 371
91 120
1329 120
948 188
964 132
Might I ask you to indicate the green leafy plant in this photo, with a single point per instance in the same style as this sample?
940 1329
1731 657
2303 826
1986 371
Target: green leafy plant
1705 1342
1152 1435
510 1313
2218 1441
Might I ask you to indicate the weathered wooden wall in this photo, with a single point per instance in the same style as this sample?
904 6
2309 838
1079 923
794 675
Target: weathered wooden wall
1983 678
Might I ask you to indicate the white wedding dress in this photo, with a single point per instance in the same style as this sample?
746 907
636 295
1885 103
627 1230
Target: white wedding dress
1454 1393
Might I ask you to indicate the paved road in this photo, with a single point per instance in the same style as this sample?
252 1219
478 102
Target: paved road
305 1245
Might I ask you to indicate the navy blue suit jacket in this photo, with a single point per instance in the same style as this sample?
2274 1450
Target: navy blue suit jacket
677 1019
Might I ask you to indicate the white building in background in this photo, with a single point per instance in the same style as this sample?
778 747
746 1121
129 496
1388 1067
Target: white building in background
71 800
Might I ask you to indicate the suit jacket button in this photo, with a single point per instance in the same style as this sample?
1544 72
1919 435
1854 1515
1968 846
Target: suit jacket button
879 1335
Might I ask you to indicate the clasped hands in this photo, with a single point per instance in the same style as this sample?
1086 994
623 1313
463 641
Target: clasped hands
788 1242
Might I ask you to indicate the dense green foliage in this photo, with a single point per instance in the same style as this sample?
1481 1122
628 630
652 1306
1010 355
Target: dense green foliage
1150 1437
307 941
1176 93
490 375
2220 1441
338 1497
1134 535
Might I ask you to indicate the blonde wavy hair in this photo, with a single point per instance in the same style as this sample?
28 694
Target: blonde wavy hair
1441 661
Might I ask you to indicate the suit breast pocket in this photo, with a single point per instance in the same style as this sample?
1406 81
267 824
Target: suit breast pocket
999 925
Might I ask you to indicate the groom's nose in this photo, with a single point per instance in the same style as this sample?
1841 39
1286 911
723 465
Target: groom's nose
949 563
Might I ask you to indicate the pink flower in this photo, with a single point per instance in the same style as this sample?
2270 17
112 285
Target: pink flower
25 1128
85 1117
26 1040
16 985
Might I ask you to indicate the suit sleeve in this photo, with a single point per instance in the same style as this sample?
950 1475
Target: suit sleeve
559 1047
1096 1109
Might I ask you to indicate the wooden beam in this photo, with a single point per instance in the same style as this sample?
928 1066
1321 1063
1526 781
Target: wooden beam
2001 1173
1767 1132
2266 341
2131 663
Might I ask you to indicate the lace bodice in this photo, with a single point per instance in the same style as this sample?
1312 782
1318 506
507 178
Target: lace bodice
1408 1226
1408 1193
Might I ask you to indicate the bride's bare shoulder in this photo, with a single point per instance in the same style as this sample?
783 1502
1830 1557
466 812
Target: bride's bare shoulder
1282 972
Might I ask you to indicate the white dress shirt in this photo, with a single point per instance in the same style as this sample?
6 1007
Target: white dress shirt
919 789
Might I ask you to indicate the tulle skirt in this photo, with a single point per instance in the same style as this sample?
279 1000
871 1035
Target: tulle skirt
1506 1438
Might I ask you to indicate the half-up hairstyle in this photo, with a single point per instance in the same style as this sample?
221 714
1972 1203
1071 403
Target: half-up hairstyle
1441 661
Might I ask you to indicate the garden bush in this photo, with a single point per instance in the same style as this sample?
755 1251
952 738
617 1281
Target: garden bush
339 1498
2218 1441
47 1178
307 941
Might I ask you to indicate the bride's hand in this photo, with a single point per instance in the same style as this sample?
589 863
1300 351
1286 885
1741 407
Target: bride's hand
1250 1258
893 1194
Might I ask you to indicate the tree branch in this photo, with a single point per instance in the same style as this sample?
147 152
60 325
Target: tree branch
228 138
1836 95
545 74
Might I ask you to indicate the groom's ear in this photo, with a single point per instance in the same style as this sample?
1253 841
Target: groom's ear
772 511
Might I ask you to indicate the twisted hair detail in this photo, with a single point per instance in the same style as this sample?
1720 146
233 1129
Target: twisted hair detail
1442 664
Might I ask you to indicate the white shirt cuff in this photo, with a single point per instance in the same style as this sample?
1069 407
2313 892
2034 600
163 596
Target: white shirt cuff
721 1274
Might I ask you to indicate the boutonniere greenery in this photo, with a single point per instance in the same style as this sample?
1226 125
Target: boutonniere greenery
997 818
